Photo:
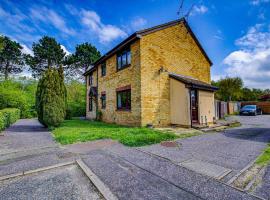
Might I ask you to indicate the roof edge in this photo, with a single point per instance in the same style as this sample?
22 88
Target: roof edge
194 83
138 34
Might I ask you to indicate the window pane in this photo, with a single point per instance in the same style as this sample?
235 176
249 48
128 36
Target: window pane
90 104
119 103
119 62
128 57
103 69
124 99
103 101
124 59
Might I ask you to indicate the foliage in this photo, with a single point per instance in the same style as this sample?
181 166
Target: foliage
229 89
81 60
1 43
72 131
11 57
47 54
19 93
51 98
264 158
251 94
75 99
8 116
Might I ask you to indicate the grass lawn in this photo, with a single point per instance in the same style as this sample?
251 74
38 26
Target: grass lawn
72 131
264 158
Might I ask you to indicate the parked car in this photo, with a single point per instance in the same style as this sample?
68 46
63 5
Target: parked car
251 110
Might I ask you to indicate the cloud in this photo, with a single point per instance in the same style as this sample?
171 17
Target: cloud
219 35
49 16
138 23
27 50
65 49
16 21
252 60
258 2
105 32
201 9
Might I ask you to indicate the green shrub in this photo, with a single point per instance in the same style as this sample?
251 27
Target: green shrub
8 116
19 94
76 98
51 98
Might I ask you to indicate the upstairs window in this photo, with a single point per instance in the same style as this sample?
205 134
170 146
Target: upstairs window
103 100
103 69
124 99
91 79
123 59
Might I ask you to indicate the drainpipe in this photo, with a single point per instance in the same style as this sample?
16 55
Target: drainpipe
190 108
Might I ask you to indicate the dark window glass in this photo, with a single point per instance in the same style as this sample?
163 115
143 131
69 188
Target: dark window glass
90 79
90 104
128 57
103 69
103 101
123 59
119 58
124 100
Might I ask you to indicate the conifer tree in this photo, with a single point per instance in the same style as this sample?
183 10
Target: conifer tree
51 98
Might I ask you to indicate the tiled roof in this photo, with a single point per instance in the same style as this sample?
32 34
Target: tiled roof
193 83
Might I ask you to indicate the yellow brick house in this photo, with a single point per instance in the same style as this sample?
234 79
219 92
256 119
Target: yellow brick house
158 76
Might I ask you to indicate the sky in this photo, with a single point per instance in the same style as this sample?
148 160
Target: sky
235 34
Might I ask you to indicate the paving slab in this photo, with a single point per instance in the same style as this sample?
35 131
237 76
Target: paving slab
206 168
61 183
86 147
32 162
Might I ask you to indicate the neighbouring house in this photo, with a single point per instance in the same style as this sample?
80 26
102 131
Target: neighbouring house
158 76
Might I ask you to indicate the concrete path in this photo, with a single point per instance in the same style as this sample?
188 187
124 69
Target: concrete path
28 145
129 173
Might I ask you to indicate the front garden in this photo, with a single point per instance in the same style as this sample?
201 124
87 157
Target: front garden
72 131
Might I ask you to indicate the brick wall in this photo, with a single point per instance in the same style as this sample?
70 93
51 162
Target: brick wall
174 49
115 79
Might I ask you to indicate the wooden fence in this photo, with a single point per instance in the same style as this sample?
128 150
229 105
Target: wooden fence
223 108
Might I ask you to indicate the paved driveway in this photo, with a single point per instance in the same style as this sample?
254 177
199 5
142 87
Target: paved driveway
233 149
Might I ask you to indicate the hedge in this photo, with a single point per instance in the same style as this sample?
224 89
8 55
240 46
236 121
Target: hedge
8 116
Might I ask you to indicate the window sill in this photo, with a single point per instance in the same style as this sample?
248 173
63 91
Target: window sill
124 67
123 109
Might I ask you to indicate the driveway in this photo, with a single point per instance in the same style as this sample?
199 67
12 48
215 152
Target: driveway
229 151
151 172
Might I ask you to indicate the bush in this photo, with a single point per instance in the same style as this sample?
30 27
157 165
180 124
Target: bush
51 98
8 116
19 93
76 98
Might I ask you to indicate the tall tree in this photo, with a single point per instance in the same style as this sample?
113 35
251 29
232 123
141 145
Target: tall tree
11 57
48 54
81 60
230 89
51 98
